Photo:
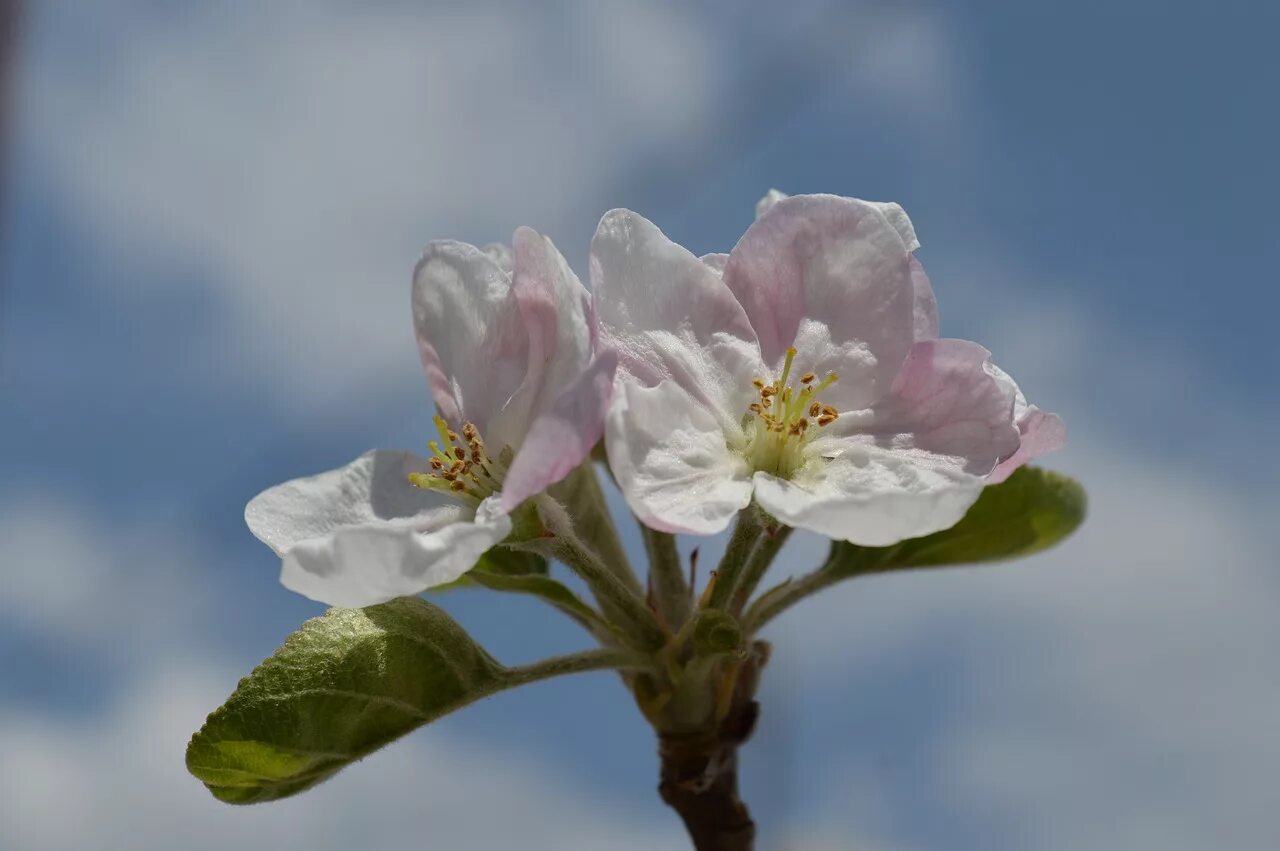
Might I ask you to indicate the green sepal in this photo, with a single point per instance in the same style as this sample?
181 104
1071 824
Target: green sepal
344 685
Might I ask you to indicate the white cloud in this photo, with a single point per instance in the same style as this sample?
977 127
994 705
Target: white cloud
296 157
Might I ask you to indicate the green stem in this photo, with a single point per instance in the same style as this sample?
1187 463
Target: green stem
757 564
603 658
582 494
746 532
666 577
621 603
783 596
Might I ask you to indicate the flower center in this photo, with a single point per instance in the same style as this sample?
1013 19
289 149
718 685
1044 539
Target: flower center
461 466
784 420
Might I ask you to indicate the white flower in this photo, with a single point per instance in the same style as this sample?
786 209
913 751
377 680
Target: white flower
802 369
510 353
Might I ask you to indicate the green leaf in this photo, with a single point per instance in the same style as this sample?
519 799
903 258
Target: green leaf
504 561
1030 511
345 684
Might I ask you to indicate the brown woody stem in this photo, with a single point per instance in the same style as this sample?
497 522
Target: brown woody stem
700 782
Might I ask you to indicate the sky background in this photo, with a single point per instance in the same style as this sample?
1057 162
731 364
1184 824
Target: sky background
212 212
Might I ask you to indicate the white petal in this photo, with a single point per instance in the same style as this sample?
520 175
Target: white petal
471 336
897 217
671 460
871 496
372 490
832 277
362 534
366 565
670 316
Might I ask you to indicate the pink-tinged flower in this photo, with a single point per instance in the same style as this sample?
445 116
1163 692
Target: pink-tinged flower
803 370
512 361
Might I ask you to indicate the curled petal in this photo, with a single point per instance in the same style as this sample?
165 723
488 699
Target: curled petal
556 308
562 436
670 316
871 496
1040 432
471 335
669 456
832 276
892 212
362 534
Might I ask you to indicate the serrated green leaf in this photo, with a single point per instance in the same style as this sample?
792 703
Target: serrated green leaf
1030 511
345 684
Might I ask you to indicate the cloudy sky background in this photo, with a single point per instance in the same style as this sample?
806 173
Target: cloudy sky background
211 216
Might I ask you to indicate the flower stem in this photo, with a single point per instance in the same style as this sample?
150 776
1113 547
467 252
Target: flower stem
670 591
603 658
757 564
746 533
582 494
783 596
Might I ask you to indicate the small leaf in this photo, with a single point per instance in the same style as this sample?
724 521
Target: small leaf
550 590
505 561
1030 511
345 684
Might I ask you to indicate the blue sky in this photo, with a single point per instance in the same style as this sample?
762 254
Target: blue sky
211 221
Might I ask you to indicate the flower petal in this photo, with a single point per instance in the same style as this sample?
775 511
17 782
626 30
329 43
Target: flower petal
871 496
362 534
669 456
563 436
944 404
832 276
471 336
1040 431
365 565
670 316
556 310
892 212
924 305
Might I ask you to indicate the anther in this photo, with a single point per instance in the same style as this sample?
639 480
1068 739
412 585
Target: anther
758 383
458 486
807 378
815 409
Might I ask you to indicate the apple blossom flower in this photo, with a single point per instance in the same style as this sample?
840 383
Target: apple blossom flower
802 370
521 386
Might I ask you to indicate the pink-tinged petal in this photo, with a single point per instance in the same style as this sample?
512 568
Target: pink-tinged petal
471 336
831 276
563 436
555 307
924 305
669 456
871 496
670 316
898 219
944 403
1041 432
362 534
366 565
